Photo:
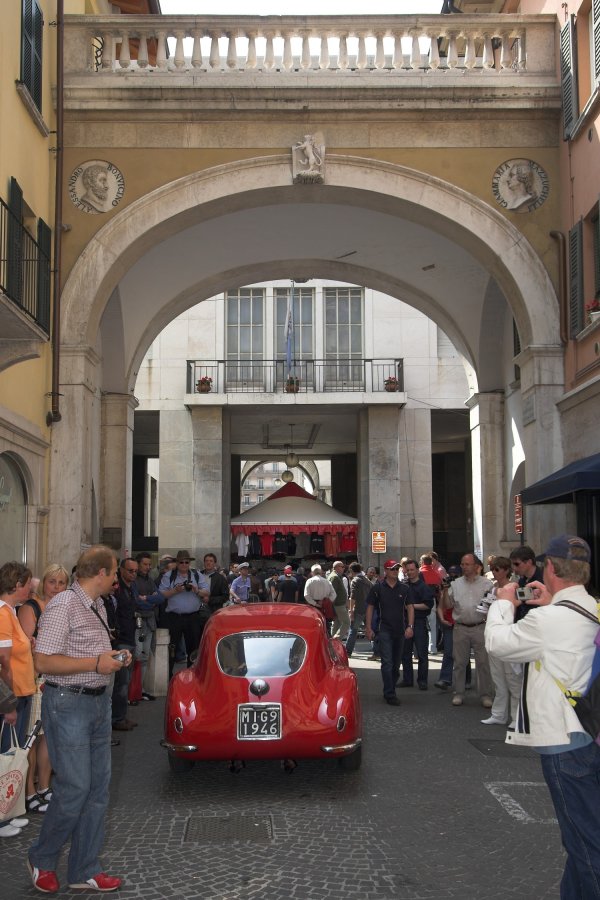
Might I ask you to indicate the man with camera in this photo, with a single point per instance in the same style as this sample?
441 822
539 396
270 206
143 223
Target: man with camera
187 592
556 643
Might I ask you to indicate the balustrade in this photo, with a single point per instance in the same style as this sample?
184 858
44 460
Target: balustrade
324 44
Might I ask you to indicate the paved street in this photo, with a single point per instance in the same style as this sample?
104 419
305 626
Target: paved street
441 809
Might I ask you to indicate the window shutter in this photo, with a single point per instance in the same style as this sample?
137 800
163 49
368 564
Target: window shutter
14 269
44 240
576 279
568 74
596 39
596 227
32 29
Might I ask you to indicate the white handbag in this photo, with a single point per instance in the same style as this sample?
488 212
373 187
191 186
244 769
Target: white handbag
13 775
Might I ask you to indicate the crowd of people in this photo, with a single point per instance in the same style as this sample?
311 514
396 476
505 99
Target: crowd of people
76 653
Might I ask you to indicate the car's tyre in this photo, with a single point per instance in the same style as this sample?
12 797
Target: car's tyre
352 762
179 765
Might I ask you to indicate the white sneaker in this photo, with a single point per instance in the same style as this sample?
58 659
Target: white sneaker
9 831
492 721
19 823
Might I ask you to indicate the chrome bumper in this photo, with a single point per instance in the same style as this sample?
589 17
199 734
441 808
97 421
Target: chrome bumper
342 748
178 748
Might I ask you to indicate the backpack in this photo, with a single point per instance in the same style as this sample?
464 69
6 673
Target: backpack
587 705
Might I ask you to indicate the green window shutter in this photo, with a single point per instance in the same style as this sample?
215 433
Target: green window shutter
14 267
44 240
568 74
596 39
576 279
32 32
596 227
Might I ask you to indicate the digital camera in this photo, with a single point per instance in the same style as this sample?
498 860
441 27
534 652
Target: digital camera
524 594
484 604
187 585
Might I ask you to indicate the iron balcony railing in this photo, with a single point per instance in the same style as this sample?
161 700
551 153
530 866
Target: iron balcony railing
242 376
24 269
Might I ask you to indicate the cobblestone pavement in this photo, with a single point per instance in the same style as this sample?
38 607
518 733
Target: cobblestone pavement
441 809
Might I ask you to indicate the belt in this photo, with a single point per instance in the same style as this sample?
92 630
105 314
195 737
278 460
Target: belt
76 688
473 625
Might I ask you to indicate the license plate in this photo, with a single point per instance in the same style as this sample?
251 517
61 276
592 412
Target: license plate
259 722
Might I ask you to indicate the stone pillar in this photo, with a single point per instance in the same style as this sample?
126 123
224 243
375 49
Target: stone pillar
378 480
156 678
211 481
116 470
175 489
487 453
542 386
416 514
75 458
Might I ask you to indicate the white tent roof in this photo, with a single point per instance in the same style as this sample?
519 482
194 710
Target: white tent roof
291 505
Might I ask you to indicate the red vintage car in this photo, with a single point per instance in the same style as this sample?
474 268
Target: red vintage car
268 683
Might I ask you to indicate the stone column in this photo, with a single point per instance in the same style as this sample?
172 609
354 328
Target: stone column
416 515
542 386
379 501
175 487
487 443
211 481
75 458
116 470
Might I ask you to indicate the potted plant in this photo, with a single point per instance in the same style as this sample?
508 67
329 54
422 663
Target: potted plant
204 384
391 384
593 309
292 385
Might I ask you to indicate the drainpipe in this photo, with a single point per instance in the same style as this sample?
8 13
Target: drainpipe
559 237
54 415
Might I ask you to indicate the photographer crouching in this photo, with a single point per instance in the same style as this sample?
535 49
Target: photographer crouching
556 643
187 591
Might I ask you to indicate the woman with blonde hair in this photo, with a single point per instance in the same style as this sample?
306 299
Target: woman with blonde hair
54 580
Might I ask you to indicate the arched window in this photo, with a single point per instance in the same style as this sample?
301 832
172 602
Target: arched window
13 511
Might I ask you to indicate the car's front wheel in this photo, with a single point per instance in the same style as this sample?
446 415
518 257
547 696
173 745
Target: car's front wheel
352 762
179 765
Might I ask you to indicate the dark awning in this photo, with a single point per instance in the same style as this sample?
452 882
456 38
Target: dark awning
582 475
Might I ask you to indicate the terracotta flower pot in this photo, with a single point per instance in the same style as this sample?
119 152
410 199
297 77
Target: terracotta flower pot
203 387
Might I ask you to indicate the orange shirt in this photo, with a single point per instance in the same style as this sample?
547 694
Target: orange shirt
21 657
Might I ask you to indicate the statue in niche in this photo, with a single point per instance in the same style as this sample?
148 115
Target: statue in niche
308 160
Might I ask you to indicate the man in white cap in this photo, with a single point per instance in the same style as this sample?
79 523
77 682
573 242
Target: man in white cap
242 585
556 642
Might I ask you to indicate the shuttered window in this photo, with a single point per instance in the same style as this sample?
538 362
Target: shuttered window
14 256
568 73
576 279
595 67
44 240
32 29
596 227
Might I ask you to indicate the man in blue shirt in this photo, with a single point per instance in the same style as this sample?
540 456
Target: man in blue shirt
187 592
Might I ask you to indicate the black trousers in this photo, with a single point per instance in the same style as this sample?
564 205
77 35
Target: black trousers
191 626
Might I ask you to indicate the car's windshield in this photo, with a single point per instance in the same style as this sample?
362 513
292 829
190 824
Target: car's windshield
260 653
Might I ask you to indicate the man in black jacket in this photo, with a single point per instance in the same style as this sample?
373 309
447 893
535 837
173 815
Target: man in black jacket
389 598
219 586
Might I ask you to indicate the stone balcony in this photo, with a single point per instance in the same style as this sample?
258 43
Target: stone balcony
401 59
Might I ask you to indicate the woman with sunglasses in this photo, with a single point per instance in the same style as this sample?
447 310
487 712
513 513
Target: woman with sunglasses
506 676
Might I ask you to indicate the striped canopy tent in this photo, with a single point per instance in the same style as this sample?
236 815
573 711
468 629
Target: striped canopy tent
293 509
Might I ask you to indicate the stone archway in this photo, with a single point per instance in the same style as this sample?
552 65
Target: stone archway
114 256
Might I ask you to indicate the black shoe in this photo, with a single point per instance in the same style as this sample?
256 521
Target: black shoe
442 685
132 702
393 701
405 684
422 687
114 742
147 696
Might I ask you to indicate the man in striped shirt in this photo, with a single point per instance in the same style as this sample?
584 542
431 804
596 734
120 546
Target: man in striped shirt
73 650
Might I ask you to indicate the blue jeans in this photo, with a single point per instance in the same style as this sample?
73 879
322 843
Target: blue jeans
358 624
573 779
390 649
120 692
420 641
78 732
